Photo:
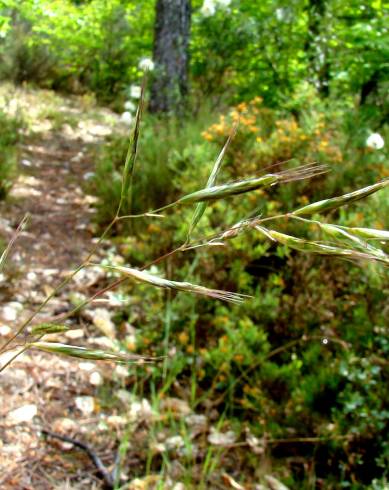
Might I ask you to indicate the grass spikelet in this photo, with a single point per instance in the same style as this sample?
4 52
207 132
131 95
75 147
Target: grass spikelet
200 208
369 233
188 287
46 328
320 248
336 202
342 234
132 153
84 353
243 186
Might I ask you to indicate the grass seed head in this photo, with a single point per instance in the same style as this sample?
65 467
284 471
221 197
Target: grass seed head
243 186
84 353
370 233
188 287
307 246
339 201
46 328
343 234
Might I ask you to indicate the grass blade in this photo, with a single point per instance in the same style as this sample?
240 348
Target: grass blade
8 248
200 208
132 153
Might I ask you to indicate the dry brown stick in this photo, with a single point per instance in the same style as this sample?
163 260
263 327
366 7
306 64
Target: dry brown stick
103 472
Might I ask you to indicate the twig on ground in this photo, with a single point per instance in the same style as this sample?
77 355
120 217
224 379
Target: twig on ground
103 472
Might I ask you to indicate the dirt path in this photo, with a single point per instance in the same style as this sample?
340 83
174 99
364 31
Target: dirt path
41 390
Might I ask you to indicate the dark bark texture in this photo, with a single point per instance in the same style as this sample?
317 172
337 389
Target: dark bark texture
172 29
317 51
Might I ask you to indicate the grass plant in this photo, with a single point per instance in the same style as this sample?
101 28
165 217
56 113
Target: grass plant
347 242
349 246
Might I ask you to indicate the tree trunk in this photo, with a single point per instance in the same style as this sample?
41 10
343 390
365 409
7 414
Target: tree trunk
316 49
170 84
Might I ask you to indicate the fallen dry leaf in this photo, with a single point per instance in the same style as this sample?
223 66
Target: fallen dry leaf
228 480
275 484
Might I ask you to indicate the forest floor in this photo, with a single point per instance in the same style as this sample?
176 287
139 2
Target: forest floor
41 391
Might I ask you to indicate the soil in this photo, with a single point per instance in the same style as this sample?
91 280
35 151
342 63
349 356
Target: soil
38 390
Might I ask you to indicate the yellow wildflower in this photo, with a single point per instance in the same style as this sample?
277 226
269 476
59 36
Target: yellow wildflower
183 338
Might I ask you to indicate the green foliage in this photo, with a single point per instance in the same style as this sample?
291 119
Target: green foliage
306 356
160 165
9 137
268 48
94 45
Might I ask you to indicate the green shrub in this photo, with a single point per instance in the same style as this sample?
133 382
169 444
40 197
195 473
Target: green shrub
301 366
167 149
9 138
277 364
92 46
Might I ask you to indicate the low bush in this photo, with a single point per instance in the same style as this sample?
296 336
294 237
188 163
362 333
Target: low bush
299 361
10 135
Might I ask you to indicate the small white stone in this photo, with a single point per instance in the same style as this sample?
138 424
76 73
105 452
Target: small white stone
121 371
157 447
11 310
5 330
77 333
101 318
22 414
178 486
103 342
86 366
124 396
140 410
174 442
31 276
196 421
86 404
88 175
221 438
96 379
